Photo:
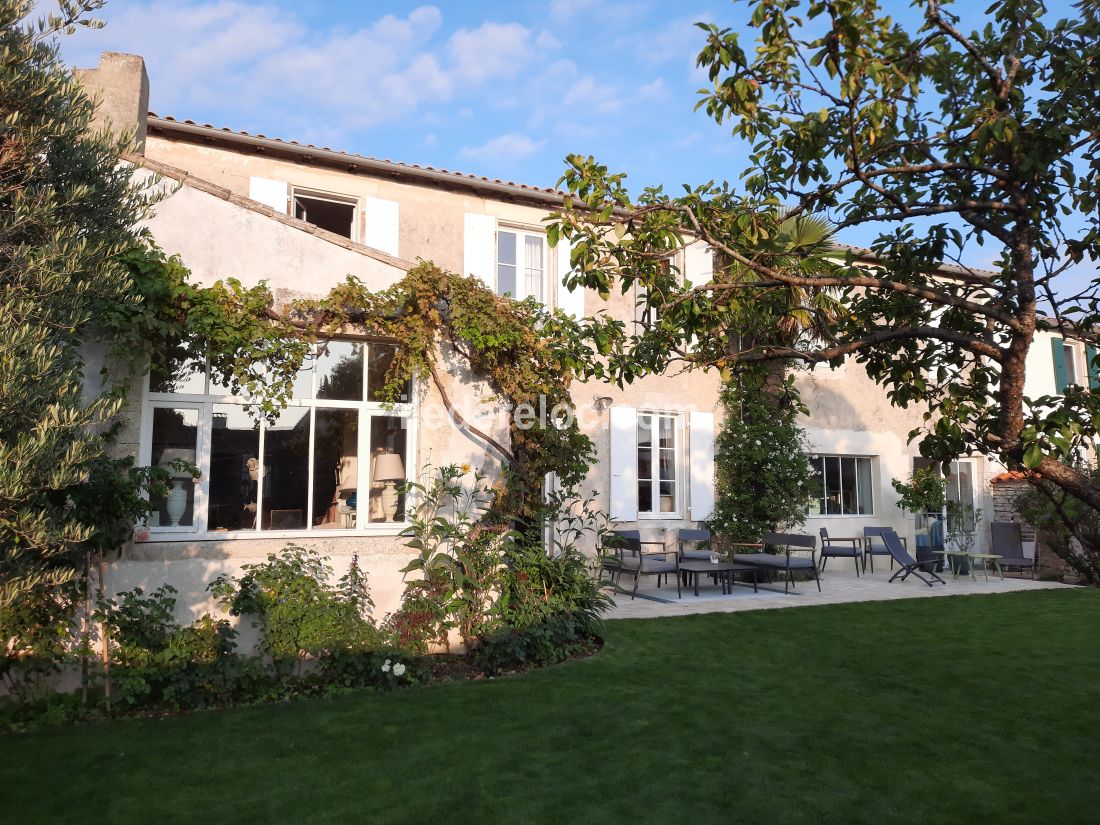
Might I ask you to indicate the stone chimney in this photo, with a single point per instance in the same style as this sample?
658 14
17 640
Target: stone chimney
121 87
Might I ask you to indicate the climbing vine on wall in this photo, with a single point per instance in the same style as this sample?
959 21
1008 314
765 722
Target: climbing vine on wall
526 354
764 480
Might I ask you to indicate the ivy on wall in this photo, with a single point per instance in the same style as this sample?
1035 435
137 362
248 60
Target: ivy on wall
525 353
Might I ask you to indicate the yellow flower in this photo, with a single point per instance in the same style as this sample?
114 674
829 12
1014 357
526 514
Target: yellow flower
465 468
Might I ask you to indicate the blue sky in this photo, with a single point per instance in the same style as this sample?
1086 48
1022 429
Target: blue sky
505 90
501 89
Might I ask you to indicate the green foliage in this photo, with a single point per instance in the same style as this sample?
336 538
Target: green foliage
458 562
299 612
487 580
382 669
935 138
962 525
539 588
526 354
553 640
1063 522
925 492
67 210
762 471
37 632
156 663
317 637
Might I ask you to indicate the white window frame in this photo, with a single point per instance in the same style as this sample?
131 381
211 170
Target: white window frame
205 403
522 233
1073 354
655 513
330 197
820 457
170 401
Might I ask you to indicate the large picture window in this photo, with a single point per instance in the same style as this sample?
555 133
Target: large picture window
300 472
843 485
658 460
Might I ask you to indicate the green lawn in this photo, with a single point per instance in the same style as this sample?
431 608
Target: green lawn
959 710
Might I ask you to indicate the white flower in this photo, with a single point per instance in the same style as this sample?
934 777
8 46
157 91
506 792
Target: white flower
758 442
399 669
386 666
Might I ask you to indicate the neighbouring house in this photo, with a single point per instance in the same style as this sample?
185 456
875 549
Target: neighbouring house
302 218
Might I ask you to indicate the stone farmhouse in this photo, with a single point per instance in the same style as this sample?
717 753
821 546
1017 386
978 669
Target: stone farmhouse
326 473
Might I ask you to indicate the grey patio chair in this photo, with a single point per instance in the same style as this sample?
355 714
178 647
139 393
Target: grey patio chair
784 561
1008 543
909 566
693 537
875 548
846 548
633 560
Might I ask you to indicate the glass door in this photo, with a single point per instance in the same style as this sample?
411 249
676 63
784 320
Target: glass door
960 495
175 444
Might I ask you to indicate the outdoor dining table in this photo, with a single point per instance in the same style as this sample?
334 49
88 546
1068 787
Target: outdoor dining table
955 557
722 570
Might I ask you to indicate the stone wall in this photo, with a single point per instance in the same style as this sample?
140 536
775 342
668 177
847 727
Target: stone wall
1004 489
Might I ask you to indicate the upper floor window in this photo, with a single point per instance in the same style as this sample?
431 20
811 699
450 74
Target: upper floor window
658 459
521 264
332 212
843 486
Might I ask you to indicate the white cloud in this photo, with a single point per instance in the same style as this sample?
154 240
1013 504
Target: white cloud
680 41
592 96
254 62
653 90
505 148
547 42
563 10
491 50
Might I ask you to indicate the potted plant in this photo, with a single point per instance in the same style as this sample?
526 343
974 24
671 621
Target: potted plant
925 495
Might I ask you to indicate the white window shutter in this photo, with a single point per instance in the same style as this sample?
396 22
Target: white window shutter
479 254
624 463
701 471
698 263
273 193
382 225
570 301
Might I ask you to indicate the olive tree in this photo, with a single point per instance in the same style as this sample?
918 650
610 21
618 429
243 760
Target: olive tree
67 210
945 141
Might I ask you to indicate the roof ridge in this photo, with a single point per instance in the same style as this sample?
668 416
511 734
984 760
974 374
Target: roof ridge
203 185
523 188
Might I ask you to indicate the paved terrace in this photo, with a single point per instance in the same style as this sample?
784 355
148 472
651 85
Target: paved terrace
838 585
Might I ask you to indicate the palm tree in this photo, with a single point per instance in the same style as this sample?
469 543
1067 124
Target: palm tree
780 317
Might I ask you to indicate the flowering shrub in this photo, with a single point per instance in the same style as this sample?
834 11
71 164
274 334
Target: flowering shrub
763 476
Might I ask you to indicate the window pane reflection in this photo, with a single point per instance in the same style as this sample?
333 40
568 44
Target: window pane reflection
175 438
506 263
832 485
286 470
379 358
339 370
234 469
533 271
335 468
387 471
182 377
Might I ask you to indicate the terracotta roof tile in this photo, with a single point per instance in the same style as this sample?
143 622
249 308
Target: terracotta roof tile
398 165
